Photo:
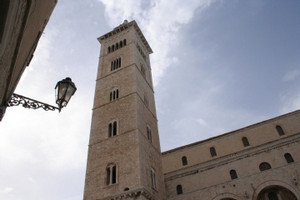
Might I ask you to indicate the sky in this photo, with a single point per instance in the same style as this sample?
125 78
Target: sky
217 66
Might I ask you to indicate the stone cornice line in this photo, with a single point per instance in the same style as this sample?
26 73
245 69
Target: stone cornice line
131 193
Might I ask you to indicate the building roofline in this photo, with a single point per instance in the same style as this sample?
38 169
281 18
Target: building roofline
231 132
125 25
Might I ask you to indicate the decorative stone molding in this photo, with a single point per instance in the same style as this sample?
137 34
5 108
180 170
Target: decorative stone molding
131 194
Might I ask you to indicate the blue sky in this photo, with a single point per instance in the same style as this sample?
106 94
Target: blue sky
217 66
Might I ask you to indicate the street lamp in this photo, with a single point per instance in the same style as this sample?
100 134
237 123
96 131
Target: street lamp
64 91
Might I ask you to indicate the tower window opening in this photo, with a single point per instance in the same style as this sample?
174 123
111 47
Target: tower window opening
117 46
179 189
108 49
149 134
280 130
213 151
233 174
124 41
113 47
112 129
115 64
111 174
245 141
114 94
153 178
264 166
288 157
143 71
184 160
121 44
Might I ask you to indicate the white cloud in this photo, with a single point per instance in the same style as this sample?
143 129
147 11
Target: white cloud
291 75
290 103
160 17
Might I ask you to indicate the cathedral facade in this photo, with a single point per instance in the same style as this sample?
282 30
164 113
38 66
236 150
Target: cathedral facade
258 162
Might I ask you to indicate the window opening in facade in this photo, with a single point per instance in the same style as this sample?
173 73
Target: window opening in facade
245 142
112 129
264 166
288 157
143 71
233 174
279 130
115 64
114 94
184 160
124 42
146 101
153 178
179 189
213 151
111 175
149 134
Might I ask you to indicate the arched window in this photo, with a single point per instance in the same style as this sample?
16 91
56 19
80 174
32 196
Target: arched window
288 157
149 134
179 189
233 174
111 174
115 64
108 49
117 46
184 160
112 128
264 166
113 47
153 178
114 94
245 141
124 42
279 130
213 151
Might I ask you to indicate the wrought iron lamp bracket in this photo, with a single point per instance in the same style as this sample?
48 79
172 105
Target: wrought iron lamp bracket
17 99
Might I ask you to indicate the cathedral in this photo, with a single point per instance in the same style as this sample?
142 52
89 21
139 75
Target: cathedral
257 162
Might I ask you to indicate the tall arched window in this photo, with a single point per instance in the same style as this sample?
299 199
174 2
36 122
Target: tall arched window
112 128
179 189
184 160
264 166
213 151
245 141
279 130
121 44
117 46
149 133
288 157
113 47
111 174
233 174
124 42
108 49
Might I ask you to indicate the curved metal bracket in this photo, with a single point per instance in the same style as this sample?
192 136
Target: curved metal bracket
17 99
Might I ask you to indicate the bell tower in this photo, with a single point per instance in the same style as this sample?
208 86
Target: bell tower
124 157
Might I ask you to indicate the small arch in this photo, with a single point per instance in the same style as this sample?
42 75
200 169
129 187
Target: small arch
233 174
108 49
179 189
112 47
288 157
117 46
264 166
280 130
213 151
126 189
124 42
184 160
121 44
245 141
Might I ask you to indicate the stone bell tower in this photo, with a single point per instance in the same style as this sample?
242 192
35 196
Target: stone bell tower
124 157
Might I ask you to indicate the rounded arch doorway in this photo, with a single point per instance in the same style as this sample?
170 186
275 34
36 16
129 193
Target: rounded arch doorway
276 193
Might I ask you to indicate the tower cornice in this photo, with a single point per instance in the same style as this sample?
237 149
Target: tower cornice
125 25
